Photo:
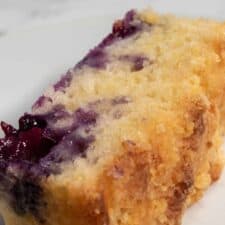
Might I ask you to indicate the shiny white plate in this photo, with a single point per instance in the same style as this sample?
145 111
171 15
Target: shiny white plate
33 57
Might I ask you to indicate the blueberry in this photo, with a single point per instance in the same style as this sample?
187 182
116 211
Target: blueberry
8 129
30 142
27 122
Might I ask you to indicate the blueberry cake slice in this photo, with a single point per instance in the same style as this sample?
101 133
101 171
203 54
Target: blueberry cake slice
130 136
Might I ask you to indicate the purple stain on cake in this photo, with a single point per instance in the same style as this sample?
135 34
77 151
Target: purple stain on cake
42 101
120 100
117 114
57 113
137 61
96 58
64 82
72 145
86 117
124 28
26 197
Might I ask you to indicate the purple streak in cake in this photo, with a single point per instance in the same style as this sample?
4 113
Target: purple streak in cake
72 145
42 101
96 58
137 61
58 112
64 82
24 194
26 197
124 28
120 100
85 117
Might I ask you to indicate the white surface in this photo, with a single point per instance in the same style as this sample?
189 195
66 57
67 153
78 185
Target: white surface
42 39
16 14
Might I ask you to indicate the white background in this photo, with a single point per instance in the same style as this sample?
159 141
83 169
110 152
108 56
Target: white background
41 39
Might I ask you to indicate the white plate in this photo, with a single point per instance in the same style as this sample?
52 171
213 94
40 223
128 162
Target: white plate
34 57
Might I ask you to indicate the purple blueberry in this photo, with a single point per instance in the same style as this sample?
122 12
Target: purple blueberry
8 129
28 121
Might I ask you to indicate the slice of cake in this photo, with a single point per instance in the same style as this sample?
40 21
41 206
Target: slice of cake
130 136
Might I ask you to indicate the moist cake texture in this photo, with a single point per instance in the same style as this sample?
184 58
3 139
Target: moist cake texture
130 136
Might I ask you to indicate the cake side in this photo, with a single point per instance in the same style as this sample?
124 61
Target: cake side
133 131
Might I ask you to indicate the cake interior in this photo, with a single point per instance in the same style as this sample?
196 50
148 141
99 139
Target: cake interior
147 86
